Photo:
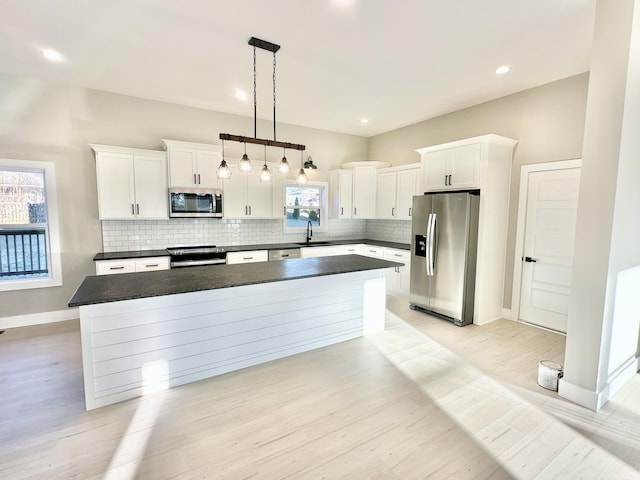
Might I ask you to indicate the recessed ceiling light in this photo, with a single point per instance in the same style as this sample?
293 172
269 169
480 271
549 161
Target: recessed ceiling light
241 94
364 121
52 55
501 70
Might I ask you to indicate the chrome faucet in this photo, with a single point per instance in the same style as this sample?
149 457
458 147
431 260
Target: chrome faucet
309 231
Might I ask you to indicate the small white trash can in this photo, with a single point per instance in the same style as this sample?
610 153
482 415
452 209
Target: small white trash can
548 374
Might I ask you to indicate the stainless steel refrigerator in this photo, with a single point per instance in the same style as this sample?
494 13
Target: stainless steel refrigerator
443 254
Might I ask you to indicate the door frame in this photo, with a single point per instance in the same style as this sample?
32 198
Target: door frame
525 171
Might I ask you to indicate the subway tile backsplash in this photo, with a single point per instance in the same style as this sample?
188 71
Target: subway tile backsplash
126 235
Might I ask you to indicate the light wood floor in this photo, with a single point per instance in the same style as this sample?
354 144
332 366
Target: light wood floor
400 404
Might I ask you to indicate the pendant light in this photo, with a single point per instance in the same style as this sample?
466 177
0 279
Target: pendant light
223 172
265 173
302 178
284 165
245 164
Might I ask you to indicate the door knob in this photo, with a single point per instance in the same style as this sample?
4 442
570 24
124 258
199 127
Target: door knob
530 260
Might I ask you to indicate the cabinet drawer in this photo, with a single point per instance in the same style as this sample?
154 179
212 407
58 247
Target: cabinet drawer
250 256
403 256
371 251
110 267
152 263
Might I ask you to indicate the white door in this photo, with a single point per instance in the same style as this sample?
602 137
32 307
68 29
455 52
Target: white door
552 201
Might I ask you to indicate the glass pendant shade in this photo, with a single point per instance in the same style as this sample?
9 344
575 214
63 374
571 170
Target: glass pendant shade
302 178
265 174
284 165
223 172
245 164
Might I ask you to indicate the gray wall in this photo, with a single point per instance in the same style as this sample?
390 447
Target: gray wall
49 122
547 121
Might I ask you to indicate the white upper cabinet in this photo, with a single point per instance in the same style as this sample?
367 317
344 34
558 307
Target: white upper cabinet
396 187
132 183
452 168
245 196
364 192
340 192
193 165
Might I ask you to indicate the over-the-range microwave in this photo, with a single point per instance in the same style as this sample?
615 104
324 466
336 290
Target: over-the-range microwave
195 202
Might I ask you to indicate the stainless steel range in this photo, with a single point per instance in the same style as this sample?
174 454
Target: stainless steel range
193 256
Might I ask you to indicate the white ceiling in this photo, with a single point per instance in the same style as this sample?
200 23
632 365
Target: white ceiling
393 62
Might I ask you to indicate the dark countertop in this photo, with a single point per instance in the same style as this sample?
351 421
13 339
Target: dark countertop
244 248
132 254
128 286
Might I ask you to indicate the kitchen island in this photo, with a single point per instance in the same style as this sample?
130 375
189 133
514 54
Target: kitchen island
144 331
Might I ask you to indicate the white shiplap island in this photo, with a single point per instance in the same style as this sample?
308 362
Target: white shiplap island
142 331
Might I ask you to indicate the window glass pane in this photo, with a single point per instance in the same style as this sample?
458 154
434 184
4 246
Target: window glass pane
300 217
307 196
23 230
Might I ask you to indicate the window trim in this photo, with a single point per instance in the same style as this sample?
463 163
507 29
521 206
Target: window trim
324 205
53 232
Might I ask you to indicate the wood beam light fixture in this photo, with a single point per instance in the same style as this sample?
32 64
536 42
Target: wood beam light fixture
223 170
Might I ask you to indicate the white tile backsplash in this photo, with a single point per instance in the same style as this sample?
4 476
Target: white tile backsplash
118 236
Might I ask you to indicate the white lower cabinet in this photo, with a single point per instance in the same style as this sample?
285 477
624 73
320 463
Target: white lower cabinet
109 267
372 251
250 256
398 279
330 250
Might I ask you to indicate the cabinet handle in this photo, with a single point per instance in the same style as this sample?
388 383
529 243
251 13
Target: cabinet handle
397 269
246 210
341 210
249 209
247 258
393 212
133 211
195 180
397 255
355 211
445 179
116 268
410 211
284 211
284 255
149 265
137 209
449 180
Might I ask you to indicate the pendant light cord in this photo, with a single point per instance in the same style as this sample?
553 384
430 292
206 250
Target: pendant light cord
274 96
255 107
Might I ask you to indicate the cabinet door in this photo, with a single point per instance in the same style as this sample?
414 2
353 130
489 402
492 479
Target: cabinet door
364 192
152 198
206 165
116 198
233 200
340 192
386 195
182 167
407 185
277 194
398 281
464 166
435 169
258 196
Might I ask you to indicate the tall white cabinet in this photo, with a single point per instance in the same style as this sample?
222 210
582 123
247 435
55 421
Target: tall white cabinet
482 163
132 183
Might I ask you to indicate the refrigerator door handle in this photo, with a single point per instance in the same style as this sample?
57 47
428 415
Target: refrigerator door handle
431 254
430 237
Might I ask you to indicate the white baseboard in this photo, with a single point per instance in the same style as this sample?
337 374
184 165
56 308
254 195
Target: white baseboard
595 400
38 318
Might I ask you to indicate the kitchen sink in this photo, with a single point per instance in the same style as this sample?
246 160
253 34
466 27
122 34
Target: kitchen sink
314 244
